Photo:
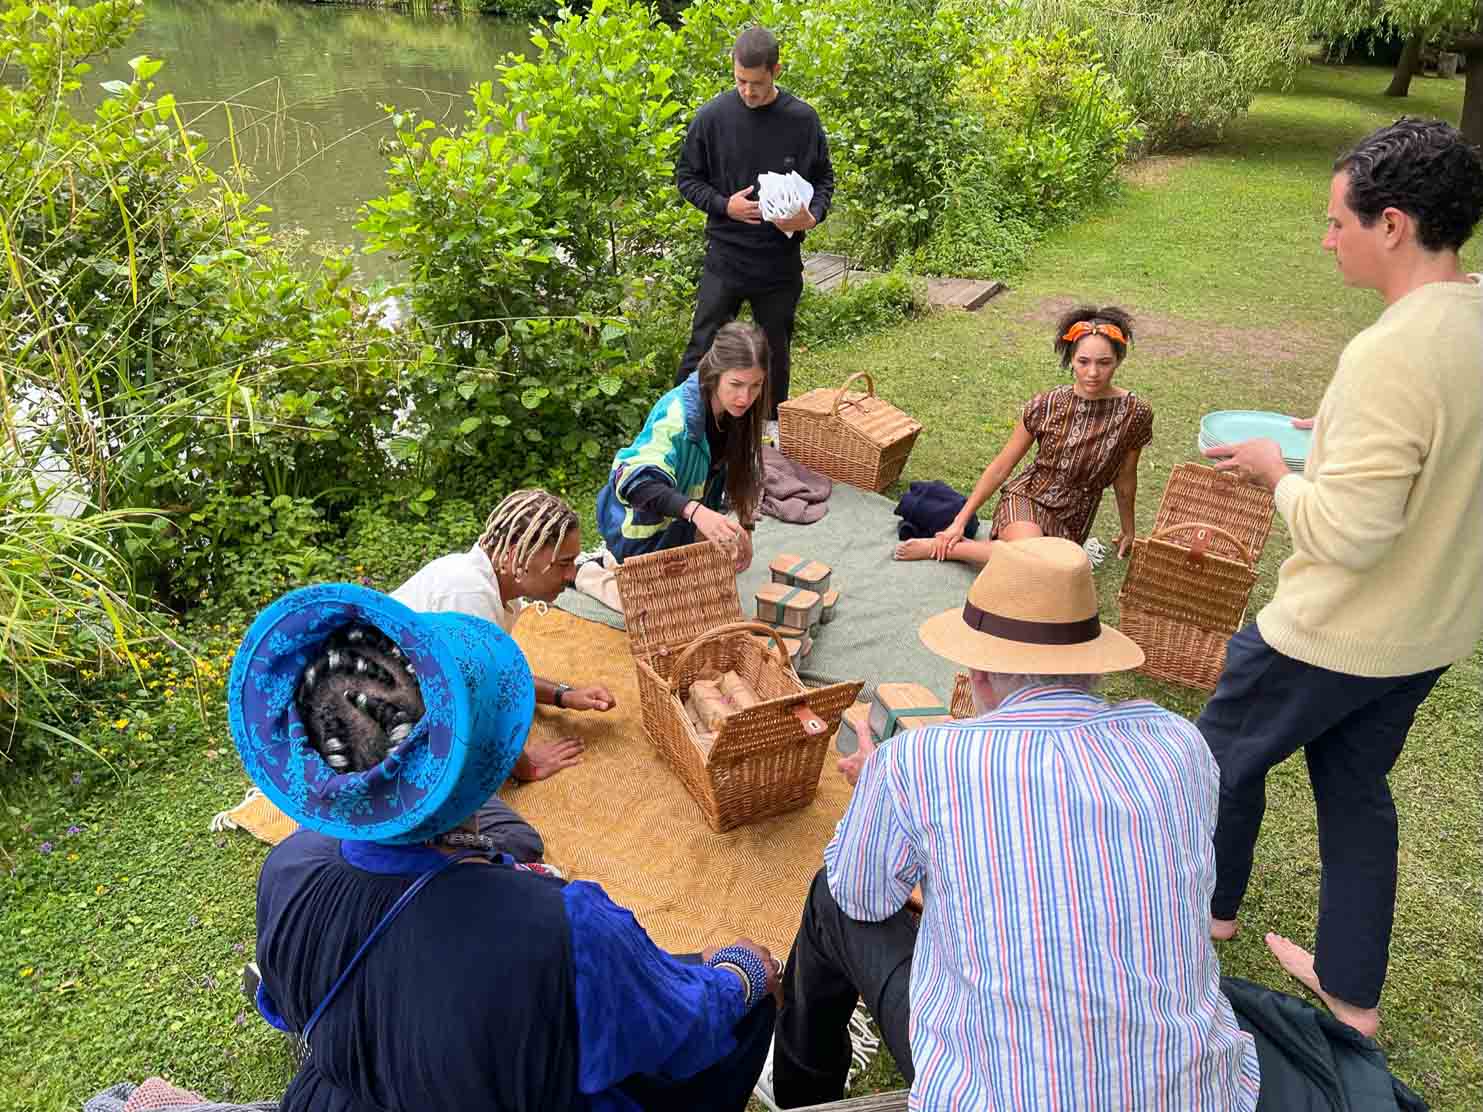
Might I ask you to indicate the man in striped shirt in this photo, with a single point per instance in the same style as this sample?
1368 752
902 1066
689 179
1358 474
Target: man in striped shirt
1063 844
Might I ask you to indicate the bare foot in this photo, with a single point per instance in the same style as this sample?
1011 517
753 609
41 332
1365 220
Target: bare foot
1299 963
919 548
1222 930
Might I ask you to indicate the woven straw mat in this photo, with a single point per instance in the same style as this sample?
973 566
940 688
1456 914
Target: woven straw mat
622 819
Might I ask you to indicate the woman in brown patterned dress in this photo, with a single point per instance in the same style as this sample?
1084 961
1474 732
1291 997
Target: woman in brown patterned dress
1089 435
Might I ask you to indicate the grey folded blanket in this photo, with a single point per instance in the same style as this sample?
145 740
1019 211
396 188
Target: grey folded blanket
791 491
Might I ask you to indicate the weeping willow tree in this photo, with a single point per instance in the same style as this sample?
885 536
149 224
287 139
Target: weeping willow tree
1186 69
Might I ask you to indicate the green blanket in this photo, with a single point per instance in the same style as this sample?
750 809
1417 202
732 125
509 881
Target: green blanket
873 636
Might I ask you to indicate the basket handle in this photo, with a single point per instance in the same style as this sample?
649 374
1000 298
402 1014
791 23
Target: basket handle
1203 533
722 631
839 397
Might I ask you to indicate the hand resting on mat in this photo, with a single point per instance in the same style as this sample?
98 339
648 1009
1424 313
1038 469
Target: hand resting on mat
544 759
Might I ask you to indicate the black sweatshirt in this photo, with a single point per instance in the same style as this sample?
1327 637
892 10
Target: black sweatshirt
727 147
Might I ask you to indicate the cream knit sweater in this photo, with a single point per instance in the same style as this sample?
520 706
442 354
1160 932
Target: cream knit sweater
1386 575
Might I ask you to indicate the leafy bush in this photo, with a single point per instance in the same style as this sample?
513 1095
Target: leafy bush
1053 127
526 232
1186 69
530 10
981 232
881 75
1056 122
857 309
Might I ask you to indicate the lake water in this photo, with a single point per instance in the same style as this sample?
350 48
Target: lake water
305 85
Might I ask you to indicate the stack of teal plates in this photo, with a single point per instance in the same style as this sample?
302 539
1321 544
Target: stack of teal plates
1232 426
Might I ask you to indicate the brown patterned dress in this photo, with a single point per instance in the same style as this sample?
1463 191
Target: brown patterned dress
1081 443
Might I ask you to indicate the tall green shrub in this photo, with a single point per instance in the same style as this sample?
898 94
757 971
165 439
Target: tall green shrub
529 232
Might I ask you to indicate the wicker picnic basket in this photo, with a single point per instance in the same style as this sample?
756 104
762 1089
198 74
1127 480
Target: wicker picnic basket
1189 582
1184 595
684 622
853 438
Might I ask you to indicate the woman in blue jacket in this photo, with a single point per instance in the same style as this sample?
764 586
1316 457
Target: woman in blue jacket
700 449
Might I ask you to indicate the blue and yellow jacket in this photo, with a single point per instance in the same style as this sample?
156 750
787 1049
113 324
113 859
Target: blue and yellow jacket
672 447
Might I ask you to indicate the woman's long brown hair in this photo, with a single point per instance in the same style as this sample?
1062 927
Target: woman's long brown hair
739 346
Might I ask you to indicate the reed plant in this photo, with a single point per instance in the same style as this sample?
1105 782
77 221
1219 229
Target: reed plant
65 602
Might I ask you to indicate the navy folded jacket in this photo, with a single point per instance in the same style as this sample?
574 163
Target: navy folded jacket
927 508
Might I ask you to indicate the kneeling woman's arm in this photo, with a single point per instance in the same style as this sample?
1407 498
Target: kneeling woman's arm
994 476
655 496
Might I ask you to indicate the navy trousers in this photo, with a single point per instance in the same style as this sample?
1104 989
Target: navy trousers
1351 729
835 961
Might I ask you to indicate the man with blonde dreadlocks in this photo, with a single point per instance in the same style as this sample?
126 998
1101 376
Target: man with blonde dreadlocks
527 553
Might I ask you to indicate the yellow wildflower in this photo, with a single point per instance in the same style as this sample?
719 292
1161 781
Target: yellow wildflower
120 723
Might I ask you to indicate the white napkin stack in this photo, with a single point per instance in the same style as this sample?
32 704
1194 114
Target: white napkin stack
782 195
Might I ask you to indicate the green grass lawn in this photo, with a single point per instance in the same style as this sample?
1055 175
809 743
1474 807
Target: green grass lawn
119 948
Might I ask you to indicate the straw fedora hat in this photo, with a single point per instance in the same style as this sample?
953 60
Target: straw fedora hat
1033 609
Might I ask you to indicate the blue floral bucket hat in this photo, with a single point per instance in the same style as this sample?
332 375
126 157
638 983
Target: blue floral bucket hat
478 692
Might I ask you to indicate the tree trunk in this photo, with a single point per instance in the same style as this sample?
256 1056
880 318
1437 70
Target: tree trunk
1471 123
1406 66
1470 46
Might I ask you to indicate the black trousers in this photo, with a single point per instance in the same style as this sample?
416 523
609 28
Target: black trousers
1351 730
773 308
835 961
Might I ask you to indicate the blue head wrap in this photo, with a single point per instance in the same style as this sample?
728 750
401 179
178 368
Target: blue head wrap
476 686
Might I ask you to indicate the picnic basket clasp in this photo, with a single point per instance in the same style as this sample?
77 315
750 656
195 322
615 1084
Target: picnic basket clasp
813 725
1200 546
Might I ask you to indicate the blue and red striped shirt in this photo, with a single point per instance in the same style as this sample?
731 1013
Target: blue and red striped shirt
1063 846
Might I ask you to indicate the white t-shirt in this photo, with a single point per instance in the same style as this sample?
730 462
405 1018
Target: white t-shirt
462 581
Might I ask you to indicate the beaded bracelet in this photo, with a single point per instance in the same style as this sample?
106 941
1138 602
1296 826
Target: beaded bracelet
754 972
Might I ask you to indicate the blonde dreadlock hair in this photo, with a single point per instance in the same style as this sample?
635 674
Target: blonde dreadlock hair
523 524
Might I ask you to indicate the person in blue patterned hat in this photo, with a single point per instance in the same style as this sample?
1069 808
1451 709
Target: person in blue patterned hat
419 970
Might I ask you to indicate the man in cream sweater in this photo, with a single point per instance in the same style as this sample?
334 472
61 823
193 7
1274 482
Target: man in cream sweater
1384 588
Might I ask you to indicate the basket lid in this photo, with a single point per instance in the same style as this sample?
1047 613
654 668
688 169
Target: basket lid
874 418
1196 493
672 596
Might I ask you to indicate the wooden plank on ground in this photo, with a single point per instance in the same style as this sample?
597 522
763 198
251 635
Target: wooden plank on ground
829 272
880 1102
961 293
820 268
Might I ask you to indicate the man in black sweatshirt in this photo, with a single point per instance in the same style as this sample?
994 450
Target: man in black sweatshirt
734 138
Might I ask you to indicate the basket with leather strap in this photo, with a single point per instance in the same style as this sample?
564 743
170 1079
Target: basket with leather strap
1197 493
853 438
684 623
1184 595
